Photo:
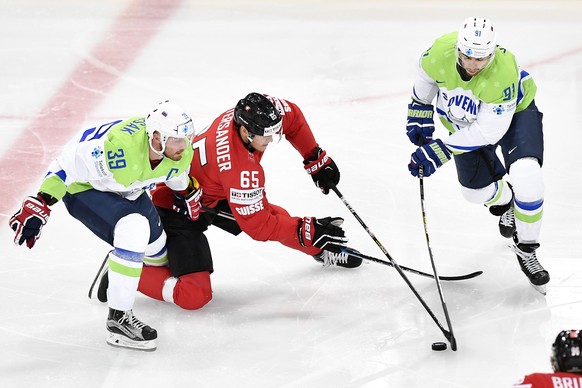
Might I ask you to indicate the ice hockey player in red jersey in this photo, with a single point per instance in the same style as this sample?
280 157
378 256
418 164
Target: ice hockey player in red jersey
227 166
566 361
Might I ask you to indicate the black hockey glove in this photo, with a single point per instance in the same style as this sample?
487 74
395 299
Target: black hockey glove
320 232
322 169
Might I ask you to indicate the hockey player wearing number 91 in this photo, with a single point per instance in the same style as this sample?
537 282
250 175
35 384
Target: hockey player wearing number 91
101 175
227 164
485 101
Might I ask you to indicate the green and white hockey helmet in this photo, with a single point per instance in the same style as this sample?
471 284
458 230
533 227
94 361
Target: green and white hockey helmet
476 38
169 120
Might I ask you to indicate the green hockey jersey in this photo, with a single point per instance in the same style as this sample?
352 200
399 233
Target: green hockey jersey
113 157
477 112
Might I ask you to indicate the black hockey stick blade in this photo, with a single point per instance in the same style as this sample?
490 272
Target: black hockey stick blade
101 268
412 270
452 341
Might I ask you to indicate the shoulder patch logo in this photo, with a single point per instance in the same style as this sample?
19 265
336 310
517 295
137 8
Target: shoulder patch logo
498 110
97 152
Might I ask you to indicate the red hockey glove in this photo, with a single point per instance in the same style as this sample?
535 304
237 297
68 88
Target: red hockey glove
189 204
29 220
322 169
322 231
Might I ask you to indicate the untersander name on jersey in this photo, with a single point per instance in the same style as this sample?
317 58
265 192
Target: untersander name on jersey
222 145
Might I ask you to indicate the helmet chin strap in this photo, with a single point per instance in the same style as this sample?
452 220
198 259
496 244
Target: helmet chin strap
249 136
248 145
162 142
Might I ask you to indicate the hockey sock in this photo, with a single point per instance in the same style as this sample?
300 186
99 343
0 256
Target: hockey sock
152 280
191 291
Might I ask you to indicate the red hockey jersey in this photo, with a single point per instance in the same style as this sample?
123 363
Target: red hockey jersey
550 380
226 169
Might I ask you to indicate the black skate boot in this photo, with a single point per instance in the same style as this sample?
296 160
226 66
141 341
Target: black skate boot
126 331
339 256
526 256
506 217
102 282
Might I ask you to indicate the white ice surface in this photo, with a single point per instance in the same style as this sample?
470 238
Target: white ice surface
277 318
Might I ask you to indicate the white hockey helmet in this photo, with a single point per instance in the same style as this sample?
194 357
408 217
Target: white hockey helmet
169 120
476 38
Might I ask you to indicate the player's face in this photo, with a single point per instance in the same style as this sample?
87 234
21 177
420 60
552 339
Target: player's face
260 143
175 146
473 65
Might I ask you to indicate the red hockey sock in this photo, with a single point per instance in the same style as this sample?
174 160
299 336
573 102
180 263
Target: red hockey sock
191 291
152 280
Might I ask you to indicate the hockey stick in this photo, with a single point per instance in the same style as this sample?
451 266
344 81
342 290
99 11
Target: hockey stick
359 255
452 339
411 270
219 213
447 334
102 268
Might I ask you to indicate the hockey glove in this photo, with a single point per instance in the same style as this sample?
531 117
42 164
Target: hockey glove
320 232
29 220
420 124
322 169
430 157
188 202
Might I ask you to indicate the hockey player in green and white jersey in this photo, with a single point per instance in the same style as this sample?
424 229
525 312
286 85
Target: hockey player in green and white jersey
485 101
101 176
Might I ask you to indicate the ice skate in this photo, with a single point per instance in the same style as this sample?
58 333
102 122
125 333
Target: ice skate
338 256
526 256
101 281
506 217
126 331
507 222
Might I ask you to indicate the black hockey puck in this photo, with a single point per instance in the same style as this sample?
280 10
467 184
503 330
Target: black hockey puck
439 346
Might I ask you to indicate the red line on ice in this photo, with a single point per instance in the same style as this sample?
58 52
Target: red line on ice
23 165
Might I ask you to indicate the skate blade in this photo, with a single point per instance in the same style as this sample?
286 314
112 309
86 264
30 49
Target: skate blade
541 289
121 341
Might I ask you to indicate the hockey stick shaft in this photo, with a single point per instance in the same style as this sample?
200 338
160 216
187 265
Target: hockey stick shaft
219 213
446 333
452 339
415 271
370 258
